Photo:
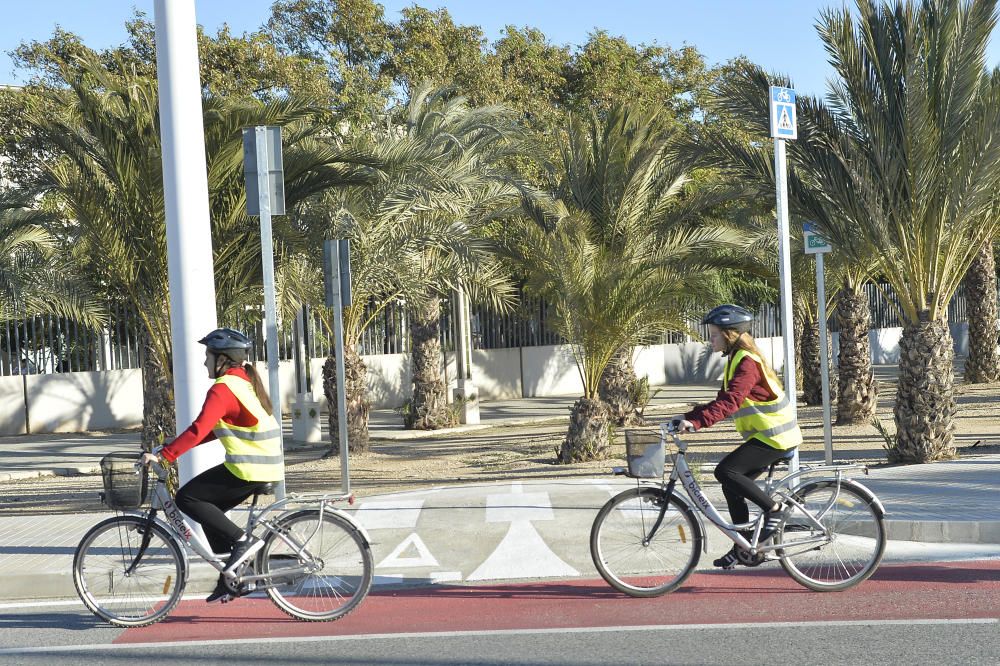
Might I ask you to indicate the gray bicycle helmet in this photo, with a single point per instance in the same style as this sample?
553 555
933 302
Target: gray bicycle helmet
225 341
730 316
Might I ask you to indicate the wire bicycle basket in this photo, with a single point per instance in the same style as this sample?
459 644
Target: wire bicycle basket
125 487
644 454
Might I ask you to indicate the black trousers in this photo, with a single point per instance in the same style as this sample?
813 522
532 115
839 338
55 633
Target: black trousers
737 471
208 496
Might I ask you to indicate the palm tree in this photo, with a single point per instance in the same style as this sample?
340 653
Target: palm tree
413 234
35 279
619 255
920 116
467 191
107 174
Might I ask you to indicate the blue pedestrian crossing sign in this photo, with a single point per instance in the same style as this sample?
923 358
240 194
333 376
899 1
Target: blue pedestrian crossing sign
783 124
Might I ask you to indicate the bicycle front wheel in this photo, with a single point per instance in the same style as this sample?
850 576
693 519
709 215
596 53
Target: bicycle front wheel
320 566
846 551
632 557
118 588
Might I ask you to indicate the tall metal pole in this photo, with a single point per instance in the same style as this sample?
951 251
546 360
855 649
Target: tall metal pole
823 355
270 301
785 275
189 238
338 337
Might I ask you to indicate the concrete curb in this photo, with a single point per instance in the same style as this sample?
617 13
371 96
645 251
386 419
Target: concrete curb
79 470
944 531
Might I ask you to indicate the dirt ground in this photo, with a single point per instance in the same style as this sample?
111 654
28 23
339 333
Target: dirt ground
526 452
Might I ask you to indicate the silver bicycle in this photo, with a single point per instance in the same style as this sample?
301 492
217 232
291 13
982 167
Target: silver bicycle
131 569
647 540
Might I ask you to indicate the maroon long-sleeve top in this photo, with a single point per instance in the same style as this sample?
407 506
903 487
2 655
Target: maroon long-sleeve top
220 405
748 382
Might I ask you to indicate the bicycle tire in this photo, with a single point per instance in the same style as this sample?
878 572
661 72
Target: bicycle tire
857 537
344 555
145 596
645 569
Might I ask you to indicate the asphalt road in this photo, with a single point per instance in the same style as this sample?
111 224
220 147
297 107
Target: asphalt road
928 642
926 613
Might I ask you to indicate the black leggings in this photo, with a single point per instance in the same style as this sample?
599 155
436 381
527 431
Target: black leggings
208 496
736 473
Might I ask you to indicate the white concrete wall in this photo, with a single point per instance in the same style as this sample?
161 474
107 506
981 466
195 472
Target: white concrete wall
83 401
80 401
550 370
12 417
496 373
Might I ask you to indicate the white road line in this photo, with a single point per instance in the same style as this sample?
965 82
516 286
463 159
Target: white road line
496 632
394 514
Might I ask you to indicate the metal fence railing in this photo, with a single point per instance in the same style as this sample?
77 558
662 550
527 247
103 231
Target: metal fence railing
46 344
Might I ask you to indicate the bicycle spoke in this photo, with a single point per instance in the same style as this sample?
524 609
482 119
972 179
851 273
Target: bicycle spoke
856 542
344 567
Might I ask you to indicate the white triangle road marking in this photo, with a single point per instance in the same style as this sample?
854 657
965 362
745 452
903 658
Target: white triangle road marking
423 558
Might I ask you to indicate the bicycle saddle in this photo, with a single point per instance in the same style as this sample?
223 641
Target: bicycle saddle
265 489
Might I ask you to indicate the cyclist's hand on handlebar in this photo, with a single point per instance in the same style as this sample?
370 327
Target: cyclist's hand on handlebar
681 424
149 458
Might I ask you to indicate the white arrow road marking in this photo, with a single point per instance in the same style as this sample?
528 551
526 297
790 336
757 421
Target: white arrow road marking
522 554
423 558
518 505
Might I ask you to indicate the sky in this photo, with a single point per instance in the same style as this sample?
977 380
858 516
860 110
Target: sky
779 35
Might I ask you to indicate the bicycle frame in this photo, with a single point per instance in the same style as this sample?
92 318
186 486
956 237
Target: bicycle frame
702 505
183 530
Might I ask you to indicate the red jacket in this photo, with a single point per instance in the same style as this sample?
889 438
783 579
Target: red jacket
220 405
747 382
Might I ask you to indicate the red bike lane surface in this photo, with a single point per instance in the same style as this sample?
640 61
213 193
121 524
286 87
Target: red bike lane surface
953 590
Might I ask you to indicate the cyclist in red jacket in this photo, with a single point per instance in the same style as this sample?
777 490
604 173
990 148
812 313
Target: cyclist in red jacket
237 412
763 415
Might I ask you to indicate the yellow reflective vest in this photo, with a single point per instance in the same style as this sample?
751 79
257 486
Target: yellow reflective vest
253 453
772 422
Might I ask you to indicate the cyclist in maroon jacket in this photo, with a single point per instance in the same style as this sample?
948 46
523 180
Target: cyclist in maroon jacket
763 415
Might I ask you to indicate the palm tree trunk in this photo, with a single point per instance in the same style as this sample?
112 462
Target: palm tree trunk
358 405
159 423
812 378
925 401
799 327
812 386
589 434
983 364
857 390
619 389
428 408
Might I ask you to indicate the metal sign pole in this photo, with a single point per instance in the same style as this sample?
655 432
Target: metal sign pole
785 279
782 116
813 243
335 297
824 370
270 302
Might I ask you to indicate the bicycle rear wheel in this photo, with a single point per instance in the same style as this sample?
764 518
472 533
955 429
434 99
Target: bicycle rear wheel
135 598
338 560
850 550
628 559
